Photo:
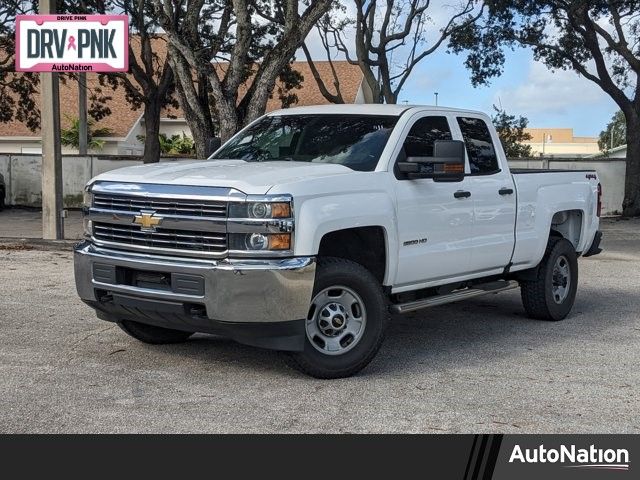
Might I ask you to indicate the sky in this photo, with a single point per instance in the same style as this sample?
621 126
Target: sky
549 99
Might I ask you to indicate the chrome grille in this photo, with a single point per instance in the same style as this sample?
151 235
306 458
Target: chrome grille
162 238
163 206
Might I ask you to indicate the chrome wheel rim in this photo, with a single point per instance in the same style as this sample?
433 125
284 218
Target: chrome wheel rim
561 280
336 321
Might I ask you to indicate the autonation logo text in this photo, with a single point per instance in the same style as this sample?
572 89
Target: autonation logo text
573 457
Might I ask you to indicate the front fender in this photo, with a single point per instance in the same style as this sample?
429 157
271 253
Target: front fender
318 216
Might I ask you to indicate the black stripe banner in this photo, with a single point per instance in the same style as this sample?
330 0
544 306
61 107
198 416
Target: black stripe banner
456 457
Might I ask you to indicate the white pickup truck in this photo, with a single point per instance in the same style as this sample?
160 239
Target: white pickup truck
308 228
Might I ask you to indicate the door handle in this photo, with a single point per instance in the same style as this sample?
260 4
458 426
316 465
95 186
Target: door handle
462 194
506 191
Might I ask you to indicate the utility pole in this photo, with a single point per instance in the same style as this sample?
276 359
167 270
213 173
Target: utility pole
611 144
83 129
436 98
52 221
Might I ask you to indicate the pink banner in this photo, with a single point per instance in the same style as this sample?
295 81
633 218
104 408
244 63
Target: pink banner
72 43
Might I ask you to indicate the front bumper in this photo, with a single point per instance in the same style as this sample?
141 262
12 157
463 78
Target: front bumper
266 297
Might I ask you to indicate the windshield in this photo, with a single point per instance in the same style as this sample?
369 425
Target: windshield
355 141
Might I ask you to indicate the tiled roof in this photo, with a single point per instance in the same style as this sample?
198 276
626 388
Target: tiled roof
122 118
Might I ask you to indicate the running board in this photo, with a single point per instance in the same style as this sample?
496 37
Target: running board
493 287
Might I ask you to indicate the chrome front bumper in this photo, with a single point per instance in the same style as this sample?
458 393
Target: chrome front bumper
237 291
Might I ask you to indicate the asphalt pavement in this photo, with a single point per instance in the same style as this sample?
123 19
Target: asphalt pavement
477 366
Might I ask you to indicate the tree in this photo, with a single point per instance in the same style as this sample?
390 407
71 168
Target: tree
70 137
615 134
597 39
511 130
233 52
17 90
150 81
384 32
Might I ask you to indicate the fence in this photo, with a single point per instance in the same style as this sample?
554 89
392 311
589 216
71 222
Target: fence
611 172
22 175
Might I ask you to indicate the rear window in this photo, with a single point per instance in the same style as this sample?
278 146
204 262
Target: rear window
480 148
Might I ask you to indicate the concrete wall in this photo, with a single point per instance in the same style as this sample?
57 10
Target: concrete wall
611 172
23 176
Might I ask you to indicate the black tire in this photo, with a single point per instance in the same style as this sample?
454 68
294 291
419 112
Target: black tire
340 272
538 296
152 334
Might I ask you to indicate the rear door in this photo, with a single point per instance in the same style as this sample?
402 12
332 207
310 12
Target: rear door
434 224
493 195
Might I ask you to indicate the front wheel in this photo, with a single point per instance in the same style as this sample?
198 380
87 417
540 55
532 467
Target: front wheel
551 295
346 323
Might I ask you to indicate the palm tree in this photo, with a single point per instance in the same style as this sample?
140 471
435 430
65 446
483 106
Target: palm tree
70 137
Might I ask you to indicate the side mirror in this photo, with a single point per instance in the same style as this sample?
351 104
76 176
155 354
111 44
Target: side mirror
446 165
213 144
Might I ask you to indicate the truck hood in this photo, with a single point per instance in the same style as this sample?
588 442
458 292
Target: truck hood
248 177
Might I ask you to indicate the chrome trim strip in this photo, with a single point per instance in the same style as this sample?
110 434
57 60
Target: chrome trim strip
259 253
174 222
147 292
255 225
168 251
165 191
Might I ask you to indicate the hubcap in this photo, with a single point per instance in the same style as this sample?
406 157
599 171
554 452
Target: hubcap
336 321
561 282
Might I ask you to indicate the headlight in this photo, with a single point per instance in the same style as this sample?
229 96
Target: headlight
259 210
261 226
260 241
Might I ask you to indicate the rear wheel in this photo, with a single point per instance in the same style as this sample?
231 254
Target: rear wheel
346 323
552 294
152 334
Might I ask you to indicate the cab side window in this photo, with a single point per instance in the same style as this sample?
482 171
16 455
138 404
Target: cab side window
421 139
424 133
483 159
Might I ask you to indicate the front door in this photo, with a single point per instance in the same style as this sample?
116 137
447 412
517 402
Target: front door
435 219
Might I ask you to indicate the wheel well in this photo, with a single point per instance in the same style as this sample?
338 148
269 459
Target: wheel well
363 245
568 224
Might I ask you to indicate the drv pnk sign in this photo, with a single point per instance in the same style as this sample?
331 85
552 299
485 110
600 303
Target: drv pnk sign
72 43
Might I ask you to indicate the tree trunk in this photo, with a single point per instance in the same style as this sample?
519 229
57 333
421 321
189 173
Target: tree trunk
152 113
196 113
631 203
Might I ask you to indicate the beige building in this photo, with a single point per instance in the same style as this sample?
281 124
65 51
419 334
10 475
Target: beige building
560 142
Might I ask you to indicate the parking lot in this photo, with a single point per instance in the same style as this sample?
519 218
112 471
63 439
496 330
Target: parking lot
478 366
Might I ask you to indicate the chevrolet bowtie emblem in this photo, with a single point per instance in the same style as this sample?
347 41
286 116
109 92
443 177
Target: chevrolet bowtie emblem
147 221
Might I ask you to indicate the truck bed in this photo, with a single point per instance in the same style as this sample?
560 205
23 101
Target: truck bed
541 191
